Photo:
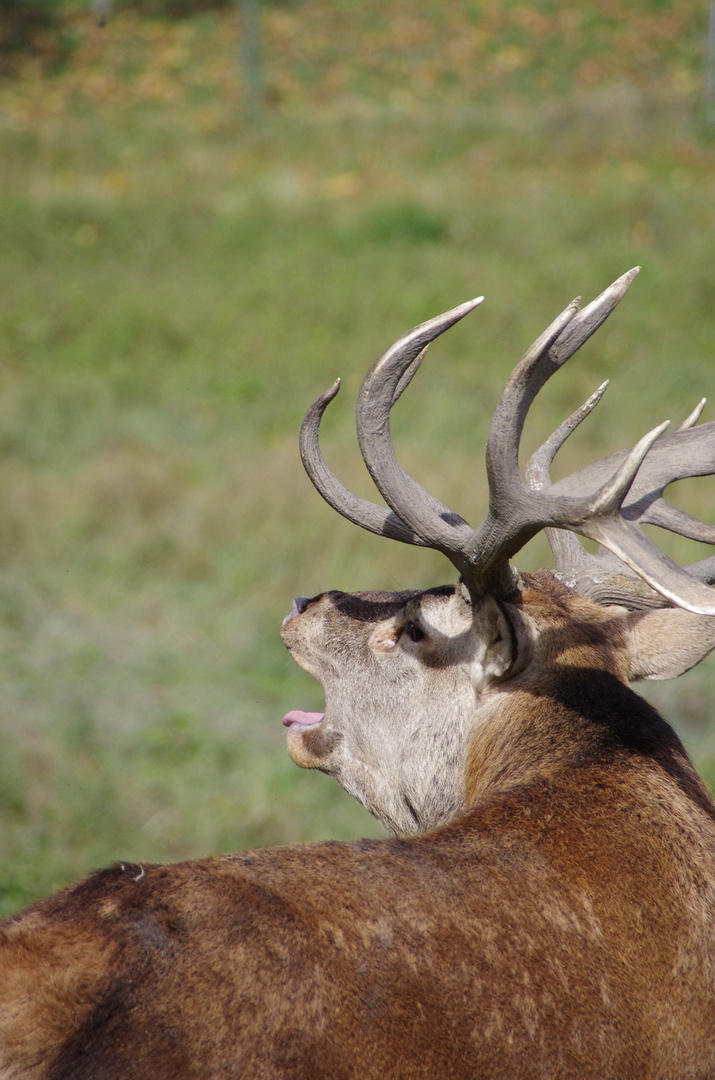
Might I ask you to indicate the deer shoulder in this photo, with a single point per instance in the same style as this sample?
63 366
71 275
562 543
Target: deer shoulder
545 904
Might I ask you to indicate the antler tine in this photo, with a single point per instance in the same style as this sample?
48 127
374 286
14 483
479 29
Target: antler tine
537 469
609 499
368 515
516 512
409 375
605 523
687 452
593 315
565 546
524 383
568 332
691 420
656 568
439 527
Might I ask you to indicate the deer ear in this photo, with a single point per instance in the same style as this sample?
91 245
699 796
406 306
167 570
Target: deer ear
497 637
668 642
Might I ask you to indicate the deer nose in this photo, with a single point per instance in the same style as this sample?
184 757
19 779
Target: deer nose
299 605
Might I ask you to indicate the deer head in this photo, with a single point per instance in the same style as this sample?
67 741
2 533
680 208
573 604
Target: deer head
412 679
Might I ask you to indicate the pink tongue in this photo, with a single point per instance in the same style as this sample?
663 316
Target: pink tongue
306 719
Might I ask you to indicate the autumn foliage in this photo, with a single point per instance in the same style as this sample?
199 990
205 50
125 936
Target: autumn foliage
320 53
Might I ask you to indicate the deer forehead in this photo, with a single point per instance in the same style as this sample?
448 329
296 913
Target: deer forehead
545 612
359 615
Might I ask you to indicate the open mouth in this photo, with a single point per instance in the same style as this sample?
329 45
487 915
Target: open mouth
302 721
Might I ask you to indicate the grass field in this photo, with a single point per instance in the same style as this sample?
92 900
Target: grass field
176 285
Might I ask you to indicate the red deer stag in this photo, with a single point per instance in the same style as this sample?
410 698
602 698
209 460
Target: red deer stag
546 906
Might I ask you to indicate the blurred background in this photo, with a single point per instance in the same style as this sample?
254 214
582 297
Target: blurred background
207 213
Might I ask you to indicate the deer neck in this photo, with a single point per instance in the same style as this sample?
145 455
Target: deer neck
573 717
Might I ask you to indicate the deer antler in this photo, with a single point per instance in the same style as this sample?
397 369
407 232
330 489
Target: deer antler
369 515
689 451
604 502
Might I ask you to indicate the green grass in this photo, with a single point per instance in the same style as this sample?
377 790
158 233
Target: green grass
174 291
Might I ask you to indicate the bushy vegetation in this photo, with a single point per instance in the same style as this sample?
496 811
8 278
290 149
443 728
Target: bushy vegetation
42 32
176 286
32 28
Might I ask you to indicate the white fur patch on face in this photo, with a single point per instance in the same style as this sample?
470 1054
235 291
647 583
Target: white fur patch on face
496 636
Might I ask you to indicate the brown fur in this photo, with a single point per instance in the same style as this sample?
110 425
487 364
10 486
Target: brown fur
559 925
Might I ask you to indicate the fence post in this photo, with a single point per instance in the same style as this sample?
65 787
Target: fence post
710 69
250 56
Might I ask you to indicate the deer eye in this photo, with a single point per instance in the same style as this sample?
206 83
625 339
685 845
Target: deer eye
413 632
